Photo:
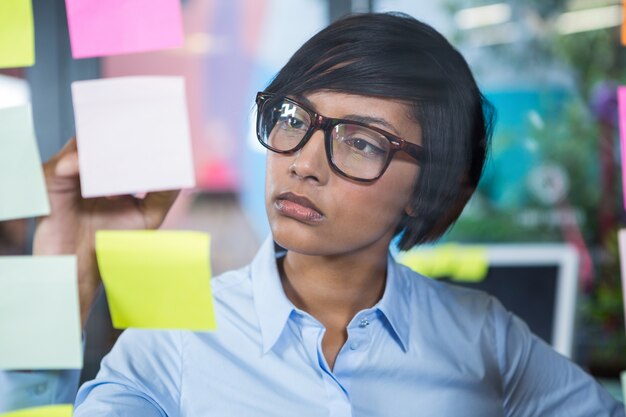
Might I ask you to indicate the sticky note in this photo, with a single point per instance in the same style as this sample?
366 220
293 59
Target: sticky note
460 263
472 264
621 238
101 28
22 186
157 279
133 135
57 410
416 260
39 313
623 379
624 38
621 109
17 35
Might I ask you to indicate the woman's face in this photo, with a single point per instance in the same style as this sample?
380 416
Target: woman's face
348 216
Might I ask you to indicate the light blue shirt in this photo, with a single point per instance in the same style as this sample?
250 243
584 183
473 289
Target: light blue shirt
425 349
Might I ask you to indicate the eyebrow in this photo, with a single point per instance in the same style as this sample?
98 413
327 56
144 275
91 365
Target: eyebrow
372 120
354 117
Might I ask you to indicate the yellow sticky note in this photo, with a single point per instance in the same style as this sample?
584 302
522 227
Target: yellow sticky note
418 261
157 279
471 264
17 35
434 262
59 410
444 260
460 263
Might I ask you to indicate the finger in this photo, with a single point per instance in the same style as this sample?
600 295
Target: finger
70 147
116 197
67 165
156 205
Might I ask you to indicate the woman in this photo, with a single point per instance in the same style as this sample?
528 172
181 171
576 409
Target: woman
375 129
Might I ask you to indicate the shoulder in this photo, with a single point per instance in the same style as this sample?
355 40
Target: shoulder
458 315
445 297
233 281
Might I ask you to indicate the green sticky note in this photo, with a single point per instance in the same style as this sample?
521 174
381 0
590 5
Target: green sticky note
22 186
57 410
157 279
623 377
17 35
39 313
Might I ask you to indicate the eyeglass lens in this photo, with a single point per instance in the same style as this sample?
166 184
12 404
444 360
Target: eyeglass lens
356 150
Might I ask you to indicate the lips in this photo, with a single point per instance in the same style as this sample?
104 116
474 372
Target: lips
298 207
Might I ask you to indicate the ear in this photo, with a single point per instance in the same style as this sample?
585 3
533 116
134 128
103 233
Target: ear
410 211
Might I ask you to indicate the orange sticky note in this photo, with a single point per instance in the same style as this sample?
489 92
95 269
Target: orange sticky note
624 23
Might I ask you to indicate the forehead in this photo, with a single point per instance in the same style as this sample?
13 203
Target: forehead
394 116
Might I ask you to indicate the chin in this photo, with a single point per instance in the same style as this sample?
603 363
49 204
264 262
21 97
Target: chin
296 238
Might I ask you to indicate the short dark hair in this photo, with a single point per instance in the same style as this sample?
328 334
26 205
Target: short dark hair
393 55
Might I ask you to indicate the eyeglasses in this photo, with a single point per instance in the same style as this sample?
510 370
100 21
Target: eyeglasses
354 149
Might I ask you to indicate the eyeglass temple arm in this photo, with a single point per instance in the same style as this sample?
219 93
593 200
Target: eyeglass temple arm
416 151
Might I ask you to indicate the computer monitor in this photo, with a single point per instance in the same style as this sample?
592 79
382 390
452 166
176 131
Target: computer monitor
538 283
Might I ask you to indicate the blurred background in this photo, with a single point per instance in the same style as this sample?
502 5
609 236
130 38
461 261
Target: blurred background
551 67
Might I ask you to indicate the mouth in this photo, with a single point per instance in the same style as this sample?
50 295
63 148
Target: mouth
298 207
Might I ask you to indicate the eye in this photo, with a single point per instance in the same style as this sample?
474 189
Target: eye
290 117
363 146
292 122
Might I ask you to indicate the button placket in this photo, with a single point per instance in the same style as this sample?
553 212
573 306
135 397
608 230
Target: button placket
311 334
359 335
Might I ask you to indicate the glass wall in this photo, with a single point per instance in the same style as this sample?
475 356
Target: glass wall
550 68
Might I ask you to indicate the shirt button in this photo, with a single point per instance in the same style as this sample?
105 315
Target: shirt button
40 389
354 345
364 323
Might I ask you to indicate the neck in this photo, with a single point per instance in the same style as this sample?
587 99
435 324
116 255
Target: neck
333 289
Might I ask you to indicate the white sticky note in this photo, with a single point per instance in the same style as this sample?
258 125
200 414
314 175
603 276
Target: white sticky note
22 186
133 135
39 313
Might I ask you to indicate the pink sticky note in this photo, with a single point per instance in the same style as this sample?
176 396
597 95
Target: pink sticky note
621 105
110 27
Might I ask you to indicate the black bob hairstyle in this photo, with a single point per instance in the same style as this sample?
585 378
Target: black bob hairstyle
395 56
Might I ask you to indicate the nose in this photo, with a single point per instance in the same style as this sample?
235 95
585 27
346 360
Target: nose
310 162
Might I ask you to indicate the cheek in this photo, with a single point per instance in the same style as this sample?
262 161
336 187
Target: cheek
376 208
276 167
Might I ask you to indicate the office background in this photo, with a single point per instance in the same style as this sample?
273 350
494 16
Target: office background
551 69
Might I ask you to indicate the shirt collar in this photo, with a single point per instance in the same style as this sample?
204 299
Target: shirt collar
272 305
395 303
274 308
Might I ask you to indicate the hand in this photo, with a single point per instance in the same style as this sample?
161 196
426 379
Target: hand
73 221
